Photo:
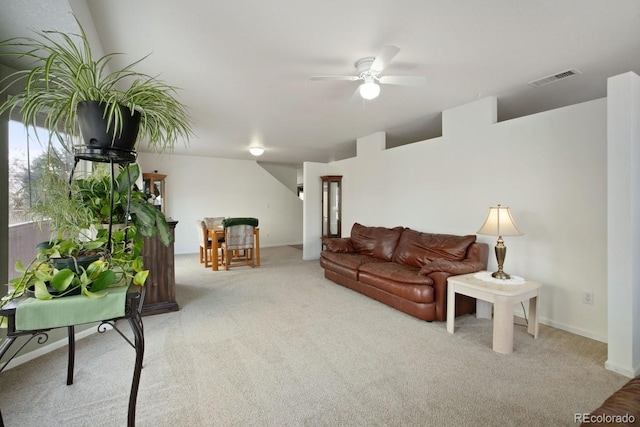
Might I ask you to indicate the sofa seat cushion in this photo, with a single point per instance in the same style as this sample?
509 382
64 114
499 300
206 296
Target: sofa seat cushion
350 261
403 281
378 242
417 249
397 272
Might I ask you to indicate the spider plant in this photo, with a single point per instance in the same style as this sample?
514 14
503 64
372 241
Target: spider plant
65 73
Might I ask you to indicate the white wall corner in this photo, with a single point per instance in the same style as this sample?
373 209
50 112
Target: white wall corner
373 143
471 116
312 210
623 223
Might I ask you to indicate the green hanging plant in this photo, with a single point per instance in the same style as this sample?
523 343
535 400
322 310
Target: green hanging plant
67 267
66 74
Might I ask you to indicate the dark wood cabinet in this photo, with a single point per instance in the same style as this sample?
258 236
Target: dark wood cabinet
160 287
331 205
154 188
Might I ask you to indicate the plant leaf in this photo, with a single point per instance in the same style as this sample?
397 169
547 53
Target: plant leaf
140 277
96 267
164 233
20 267
137 264
40 290
103 281
62 279
94 244
89 294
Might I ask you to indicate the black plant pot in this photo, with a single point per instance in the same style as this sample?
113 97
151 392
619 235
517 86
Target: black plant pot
60 263
75 291
83 261
99 139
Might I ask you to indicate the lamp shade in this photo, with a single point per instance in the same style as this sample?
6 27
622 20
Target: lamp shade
499 223
369 90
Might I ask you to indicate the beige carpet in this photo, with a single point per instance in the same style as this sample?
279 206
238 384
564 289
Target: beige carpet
279 345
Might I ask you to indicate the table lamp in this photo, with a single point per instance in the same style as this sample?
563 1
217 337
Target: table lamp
500 223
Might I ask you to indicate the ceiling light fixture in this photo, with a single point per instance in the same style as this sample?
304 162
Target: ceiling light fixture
256 151
369 89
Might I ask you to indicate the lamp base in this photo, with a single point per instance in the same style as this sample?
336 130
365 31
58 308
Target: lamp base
501 275
501 252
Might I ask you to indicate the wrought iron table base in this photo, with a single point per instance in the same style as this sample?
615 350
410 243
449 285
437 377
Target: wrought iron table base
132 314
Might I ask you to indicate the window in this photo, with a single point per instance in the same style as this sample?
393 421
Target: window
27 158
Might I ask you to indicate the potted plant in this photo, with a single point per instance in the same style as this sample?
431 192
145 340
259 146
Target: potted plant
65 83
129 204
67 87
83 256
68 267
79 259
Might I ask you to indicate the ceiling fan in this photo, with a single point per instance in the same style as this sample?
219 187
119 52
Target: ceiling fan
369 70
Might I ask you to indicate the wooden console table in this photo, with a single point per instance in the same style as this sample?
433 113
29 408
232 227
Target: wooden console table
161 284
132 297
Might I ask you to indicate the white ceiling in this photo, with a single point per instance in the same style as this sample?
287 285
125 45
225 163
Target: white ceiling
244 66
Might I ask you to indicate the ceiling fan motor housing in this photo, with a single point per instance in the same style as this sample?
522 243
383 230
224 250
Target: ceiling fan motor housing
364 67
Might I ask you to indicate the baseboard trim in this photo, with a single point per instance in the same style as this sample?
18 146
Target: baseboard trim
577 331
565 327
629 373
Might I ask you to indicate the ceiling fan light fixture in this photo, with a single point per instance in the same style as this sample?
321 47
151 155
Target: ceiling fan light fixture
369 90
256 151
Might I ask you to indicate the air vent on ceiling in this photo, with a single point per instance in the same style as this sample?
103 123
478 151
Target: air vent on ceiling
554 78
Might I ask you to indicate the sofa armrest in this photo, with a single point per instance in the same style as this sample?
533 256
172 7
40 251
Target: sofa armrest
464 304
338 245
454 268
622 406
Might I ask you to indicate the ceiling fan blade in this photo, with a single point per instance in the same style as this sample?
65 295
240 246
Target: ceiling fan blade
387 53
349 78
403 80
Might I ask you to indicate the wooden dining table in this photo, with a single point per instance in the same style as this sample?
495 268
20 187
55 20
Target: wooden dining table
217 233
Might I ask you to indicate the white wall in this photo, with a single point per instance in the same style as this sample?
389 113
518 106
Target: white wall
550 168
197 187
312 235
300 176
287 175
623 112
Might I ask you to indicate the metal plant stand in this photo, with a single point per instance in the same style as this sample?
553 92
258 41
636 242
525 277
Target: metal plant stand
114 157
133 308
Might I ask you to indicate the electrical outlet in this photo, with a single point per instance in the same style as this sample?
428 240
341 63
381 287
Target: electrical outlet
587 297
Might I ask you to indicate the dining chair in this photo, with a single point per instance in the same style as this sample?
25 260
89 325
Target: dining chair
239 241
213 223
204 242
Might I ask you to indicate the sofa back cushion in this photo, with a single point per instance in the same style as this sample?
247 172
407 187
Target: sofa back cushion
416 249
378 242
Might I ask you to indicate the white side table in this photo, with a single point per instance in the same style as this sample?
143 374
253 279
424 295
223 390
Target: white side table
503 297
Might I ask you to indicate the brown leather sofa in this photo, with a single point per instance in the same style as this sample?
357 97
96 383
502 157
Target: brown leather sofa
622 408
404 268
